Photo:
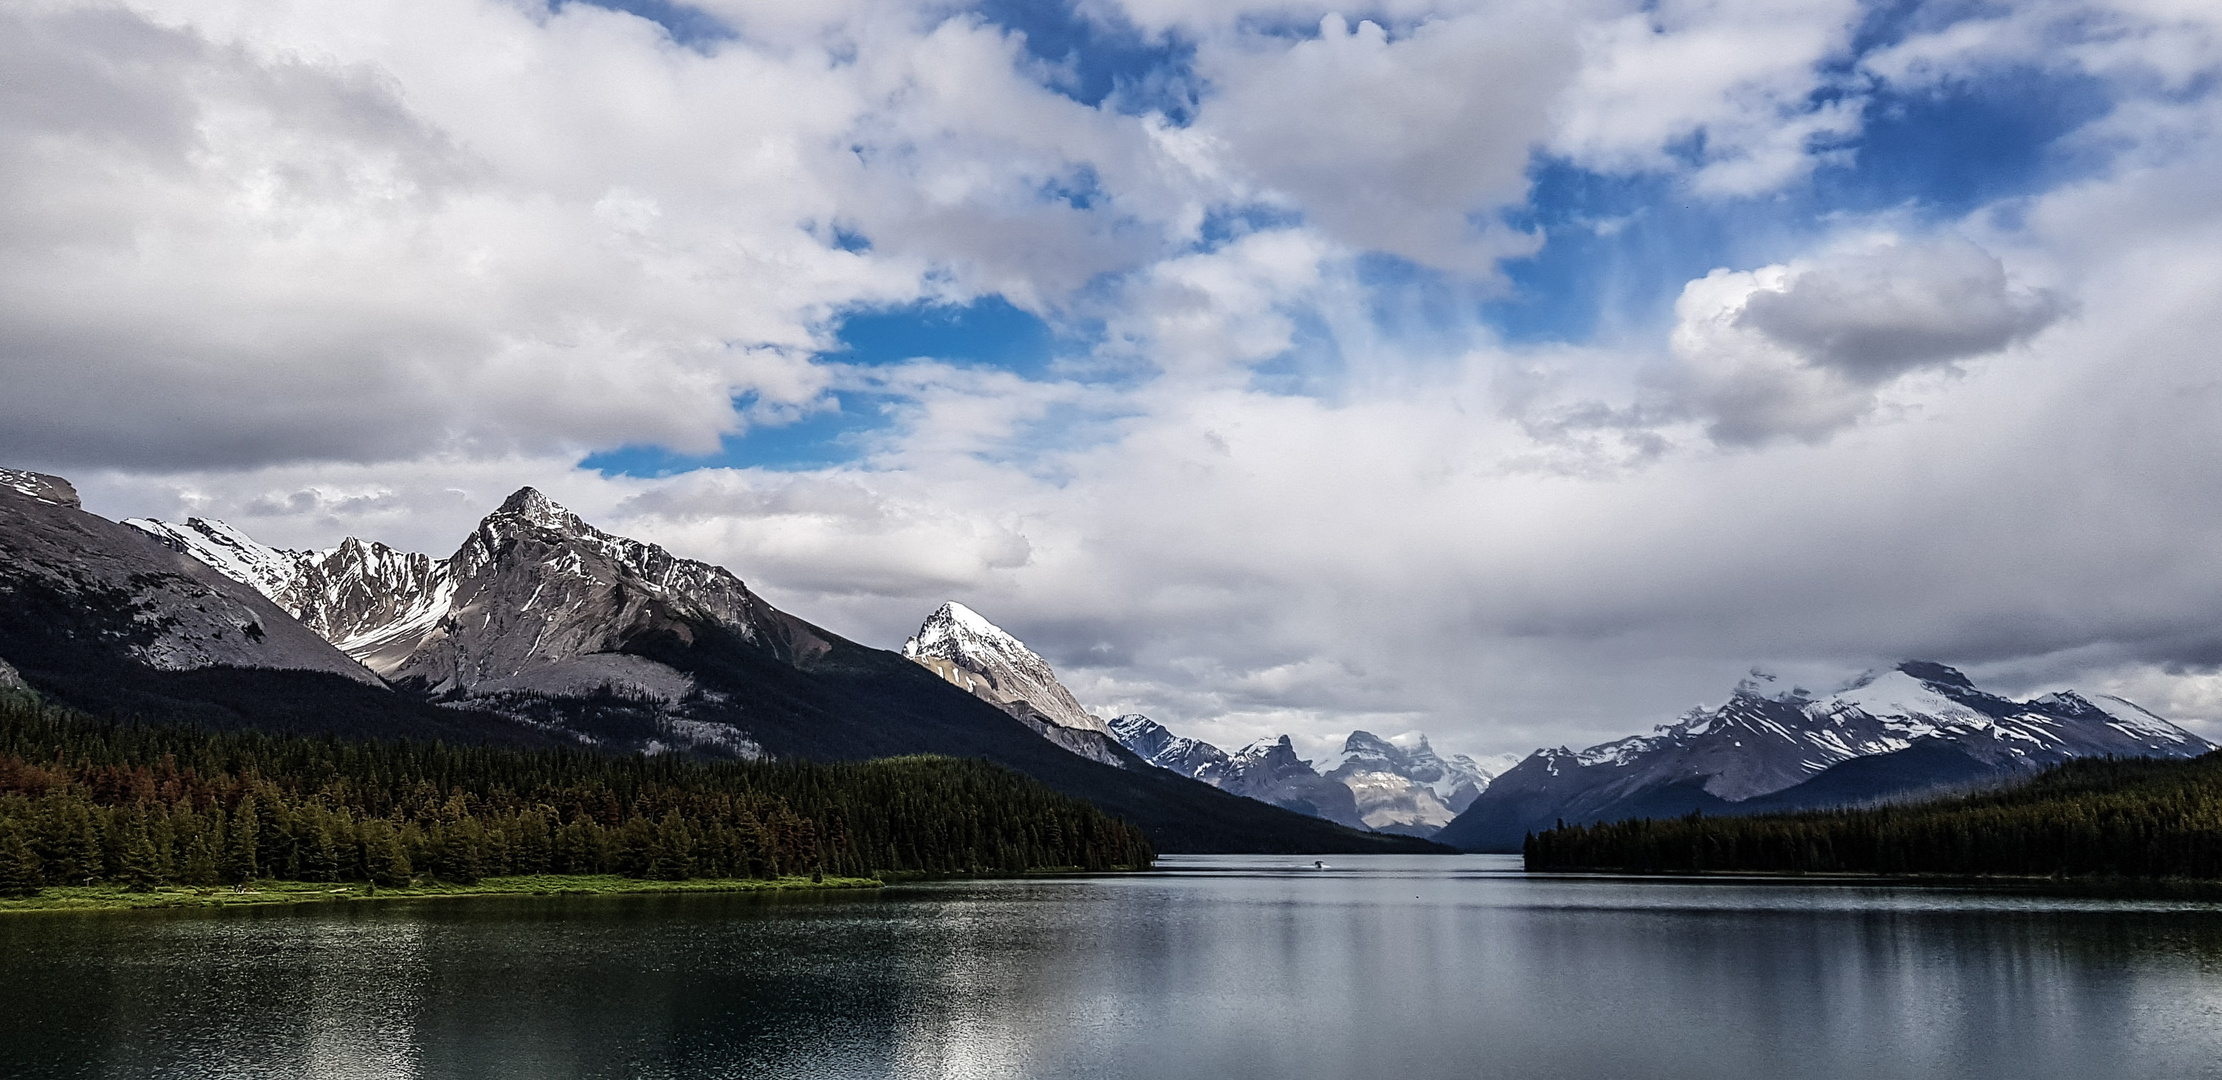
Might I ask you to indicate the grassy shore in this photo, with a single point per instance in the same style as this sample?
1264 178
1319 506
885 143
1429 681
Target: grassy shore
117 898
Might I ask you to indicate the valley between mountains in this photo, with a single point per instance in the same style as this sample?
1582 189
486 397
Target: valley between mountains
540 630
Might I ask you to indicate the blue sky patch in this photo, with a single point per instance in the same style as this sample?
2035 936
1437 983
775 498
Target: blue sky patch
1099 61
990 331
818 440
689 26
1967 143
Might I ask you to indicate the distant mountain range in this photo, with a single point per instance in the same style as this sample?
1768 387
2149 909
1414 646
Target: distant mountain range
1393 786
1920 728
540 629
1397 785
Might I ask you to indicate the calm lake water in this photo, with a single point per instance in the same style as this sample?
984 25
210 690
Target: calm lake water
1221 968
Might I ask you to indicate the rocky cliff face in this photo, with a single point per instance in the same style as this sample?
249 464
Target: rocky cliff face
1768 747
534 591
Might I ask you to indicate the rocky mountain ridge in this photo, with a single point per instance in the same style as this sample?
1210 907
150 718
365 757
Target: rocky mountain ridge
535 600
997 666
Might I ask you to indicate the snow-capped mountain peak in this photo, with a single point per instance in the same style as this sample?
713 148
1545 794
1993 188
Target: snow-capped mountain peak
962 646
1160 747
529 505
1402 782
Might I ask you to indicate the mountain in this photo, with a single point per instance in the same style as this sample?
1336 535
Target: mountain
1919 727
1387 785
541 626
535 600
965 649
2102 817
100 616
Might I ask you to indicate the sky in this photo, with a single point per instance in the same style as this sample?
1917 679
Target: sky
1519 373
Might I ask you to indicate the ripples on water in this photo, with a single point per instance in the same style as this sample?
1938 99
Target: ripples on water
1214 968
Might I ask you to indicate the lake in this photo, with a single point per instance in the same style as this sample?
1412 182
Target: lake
1217 968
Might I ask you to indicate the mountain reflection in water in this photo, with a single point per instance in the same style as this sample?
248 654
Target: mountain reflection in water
1222 968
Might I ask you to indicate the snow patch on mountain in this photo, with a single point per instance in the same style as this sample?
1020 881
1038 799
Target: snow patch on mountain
273 572
52 490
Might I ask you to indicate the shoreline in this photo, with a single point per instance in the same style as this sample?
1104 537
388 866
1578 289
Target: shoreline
104 898
2089 885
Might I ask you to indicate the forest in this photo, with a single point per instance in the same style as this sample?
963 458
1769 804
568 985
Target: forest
2104 817
90 800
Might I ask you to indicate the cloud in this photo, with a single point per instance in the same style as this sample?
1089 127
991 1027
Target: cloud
1881 312
1736 95
1409 145
1803 350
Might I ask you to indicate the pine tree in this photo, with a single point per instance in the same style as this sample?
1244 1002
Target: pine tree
140 870
199 864
388 862
241 836
19 865
319 853
671 853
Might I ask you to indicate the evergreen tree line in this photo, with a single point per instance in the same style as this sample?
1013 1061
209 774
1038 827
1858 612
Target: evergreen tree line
84 799
2131 817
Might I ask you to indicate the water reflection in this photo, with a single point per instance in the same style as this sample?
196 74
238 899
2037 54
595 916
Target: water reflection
1222 969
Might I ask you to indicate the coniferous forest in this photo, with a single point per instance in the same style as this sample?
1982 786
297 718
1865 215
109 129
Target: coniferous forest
2128 817
84 799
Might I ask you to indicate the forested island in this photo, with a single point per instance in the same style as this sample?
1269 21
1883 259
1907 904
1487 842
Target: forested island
87 800
2104 817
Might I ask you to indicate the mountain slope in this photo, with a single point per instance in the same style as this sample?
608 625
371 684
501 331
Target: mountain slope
135 598
973 654
1890 733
